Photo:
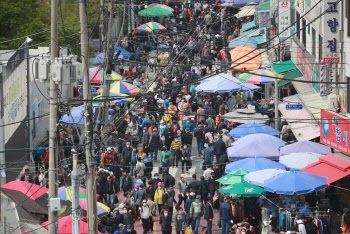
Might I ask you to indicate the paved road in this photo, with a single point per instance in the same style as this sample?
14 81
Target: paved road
176 172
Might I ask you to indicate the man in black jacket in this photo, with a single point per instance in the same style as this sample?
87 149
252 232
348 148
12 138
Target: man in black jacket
212 184
199 135
219 148
209 214
187 140
194 184
154 143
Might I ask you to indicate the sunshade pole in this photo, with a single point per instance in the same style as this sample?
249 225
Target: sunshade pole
276 105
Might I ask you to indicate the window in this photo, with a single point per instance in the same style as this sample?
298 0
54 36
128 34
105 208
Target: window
313 41
304 32
298 25
320 47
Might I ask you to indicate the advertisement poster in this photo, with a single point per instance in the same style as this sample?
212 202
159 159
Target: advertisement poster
335 131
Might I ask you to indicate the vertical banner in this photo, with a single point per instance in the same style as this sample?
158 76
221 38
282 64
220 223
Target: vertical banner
331 27
284 19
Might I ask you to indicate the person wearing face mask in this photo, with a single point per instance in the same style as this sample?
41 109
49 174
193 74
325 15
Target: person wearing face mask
212 184
158 196
196 212
127 217
186 159
127 156
108 157
134 160
145 213
180 221
175 151
165 221
182 184
130 229
189 125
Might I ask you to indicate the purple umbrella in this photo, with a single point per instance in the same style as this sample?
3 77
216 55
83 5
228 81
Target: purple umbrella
305 147
252 149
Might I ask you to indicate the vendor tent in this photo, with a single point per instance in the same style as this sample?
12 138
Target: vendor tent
245 58
304 147
330 166
245 116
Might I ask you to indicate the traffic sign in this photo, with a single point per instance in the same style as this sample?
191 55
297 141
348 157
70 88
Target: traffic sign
294 107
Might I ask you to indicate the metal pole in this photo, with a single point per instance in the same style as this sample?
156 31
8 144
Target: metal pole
4 225
91 193
53 217
276 105
75 196
101 25
132 15
107 82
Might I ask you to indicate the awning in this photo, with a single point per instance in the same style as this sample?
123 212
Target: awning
259 39
330 166
250 33
301 122
292 74
288 69
314 103
248 26
302 87
263 6
246 11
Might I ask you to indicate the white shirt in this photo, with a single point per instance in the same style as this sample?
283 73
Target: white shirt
207 173
144 212
301 226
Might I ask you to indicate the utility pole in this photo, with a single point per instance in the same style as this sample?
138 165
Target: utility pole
75 196
107 70
53 217
101 25
132 11
91 192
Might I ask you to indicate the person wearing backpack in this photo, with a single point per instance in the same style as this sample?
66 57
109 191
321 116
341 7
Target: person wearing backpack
168 179
169 199
196 212
310 227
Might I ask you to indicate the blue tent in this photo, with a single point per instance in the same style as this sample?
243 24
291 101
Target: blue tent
245 2
251 128
222 83
253 149
295 182
261 138
239 41
254 164
99 59
124 54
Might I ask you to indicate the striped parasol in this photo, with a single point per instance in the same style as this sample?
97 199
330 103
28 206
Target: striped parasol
256 78
150 26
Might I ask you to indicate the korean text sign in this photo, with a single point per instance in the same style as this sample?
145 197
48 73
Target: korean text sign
284 20
335 131
331 27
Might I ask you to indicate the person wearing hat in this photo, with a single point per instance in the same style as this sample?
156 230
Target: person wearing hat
130 229
158 196
196 212
225 212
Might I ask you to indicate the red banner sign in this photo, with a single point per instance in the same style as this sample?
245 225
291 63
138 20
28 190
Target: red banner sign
335 131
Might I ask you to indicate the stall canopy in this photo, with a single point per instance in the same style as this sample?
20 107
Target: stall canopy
330 166
288 69
246 11
250 33
263 6
248 26
239 41
242 54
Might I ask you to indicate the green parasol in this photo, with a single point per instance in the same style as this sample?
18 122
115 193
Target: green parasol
244 189
155 11
233 177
